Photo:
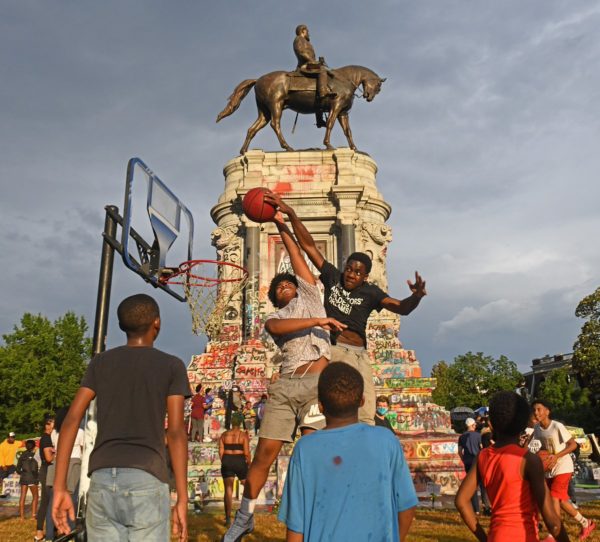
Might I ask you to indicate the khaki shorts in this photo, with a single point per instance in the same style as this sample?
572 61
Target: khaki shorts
292 404
359 358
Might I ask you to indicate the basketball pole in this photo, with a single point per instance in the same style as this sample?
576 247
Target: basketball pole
105 281
98 345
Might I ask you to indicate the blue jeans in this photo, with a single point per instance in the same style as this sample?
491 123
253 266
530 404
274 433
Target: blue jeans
127 505
474 498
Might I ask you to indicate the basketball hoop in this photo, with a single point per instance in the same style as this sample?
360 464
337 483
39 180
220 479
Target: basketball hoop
209 287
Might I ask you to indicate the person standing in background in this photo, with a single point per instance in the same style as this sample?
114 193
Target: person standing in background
559 443
383 406
259 408
47 452
469 445
28 468
234 451
197 415
8 453
136 386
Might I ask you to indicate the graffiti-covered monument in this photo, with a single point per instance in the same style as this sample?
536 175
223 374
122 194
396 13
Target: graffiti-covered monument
335 194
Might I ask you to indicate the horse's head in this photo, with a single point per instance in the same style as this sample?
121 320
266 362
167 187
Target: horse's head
371 87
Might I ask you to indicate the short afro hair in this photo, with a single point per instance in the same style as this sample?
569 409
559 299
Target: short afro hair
543 403
509 413
341 389
280 277
30 445
137 313
362 258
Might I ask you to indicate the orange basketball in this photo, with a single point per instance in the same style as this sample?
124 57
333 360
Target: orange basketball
256 208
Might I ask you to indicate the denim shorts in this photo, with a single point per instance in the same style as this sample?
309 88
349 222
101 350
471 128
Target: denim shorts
127 505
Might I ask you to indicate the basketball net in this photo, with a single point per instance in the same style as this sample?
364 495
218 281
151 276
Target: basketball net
210 286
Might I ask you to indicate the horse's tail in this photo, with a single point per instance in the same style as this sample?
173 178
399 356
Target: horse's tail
236 98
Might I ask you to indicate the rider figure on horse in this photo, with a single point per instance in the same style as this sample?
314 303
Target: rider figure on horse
310 66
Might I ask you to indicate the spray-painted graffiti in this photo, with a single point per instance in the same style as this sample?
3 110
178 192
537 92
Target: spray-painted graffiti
253 384
386 350
448 448
214 374
449 481
415 383
255 309
251 354
393 354
205 454
420 420
250 371
210 360
378 332
231 333
292 178
393 371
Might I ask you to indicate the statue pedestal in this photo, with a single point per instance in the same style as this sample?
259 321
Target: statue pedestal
335 194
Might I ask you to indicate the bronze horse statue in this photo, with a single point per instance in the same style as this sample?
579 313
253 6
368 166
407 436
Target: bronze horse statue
274 93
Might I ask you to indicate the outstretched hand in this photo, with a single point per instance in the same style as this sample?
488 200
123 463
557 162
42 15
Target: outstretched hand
331 324
418 288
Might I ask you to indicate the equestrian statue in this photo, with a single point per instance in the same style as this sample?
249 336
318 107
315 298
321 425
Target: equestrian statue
312 88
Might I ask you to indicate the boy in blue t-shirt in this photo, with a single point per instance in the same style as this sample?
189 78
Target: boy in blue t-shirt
349 481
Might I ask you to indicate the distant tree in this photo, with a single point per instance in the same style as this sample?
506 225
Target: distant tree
472 378
586 350
442 393
561 390
41 365
571 404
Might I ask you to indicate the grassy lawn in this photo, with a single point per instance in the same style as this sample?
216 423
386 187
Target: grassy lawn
429 526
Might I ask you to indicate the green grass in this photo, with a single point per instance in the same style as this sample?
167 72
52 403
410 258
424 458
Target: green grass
429 526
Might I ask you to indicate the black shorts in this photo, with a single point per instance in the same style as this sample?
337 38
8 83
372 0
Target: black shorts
234 465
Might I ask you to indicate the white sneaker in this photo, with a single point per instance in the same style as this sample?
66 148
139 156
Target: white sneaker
242 525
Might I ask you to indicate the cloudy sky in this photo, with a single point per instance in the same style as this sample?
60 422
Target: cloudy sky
484 134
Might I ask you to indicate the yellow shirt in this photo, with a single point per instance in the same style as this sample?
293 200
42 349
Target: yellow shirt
8 452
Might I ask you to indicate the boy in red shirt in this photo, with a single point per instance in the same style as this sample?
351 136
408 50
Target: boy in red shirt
197 415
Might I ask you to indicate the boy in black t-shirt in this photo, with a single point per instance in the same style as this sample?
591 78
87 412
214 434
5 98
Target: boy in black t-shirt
350 299
135 386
